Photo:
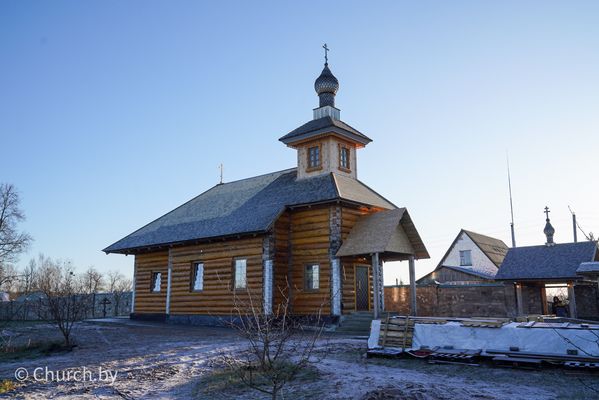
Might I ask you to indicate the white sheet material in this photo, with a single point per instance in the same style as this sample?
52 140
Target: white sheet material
538 340
375 332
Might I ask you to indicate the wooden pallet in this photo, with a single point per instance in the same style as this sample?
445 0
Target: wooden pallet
396 332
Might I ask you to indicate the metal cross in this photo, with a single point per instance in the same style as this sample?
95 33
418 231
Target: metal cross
326 50
547 211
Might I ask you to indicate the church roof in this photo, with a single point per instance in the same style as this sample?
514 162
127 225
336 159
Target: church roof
324 125
555 262
243 207
391 233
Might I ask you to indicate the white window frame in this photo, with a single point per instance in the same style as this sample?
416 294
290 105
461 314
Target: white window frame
312 284
465 258
240 273
197 285
156 285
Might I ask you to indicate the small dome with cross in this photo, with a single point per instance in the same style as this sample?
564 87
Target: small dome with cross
326 85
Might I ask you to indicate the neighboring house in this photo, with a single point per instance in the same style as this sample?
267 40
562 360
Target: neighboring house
471 258
531 268
314 234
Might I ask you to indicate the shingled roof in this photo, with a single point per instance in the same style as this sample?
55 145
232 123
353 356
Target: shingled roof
244 207
546 263
325 125
391 233
493 248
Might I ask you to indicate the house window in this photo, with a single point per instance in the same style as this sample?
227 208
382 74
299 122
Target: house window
343 157
156 280
312 277
240 274
314 157
197 277
465 257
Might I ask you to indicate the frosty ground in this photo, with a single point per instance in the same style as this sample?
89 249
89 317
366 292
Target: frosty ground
157 361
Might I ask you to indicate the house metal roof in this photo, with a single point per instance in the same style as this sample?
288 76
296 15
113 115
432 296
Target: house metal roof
325 125
427 278
546 263
244 207
493 248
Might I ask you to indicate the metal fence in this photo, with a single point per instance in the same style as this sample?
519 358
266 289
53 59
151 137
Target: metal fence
101 305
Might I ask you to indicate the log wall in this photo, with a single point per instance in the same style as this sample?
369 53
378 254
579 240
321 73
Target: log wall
217 296
309 243
146 301
281 261
301 237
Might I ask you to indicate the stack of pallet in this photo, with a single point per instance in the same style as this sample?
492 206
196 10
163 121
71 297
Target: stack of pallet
397 332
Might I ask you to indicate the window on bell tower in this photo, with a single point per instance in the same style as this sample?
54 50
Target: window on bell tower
314 157
344 157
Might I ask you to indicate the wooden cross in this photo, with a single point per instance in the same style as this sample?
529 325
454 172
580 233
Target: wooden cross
547 212
326 50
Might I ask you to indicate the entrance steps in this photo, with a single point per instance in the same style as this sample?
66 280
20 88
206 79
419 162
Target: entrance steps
356 323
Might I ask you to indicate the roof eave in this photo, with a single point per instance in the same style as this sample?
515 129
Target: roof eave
155 247
363 140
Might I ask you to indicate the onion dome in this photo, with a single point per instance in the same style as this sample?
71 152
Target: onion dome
326 86
549 230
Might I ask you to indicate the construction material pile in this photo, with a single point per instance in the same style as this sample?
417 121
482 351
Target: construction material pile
468 339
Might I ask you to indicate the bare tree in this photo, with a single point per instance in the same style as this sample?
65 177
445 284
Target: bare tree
92 280
28 276
118 285
279 345
63 303
8 278
12 241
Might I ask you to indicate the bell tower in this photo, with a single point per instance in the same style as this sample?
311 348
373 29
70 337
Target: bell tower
326 144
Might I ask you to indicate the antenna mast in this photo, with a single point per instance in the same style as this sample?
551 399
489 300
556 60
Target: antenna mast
509 182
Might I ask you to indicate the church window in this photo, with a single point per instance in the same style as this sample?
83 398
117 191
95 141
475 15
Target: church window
197 277
343 157
311 277
314 157
156 278
239 273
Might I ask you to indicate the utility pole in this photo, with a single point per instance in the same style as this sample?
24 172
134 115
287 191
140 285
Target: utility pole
509 182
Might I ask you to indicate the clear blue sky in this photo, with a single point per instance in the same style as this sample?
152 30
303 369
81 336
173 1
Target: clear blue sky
114 112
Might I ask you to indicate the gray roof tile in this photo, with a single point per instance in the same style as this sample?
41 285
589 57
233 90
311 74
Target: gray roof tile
546 262
242 207
324 125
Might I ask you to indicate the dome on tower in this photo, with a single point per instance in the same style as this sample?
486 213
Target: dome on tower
326 86
326 82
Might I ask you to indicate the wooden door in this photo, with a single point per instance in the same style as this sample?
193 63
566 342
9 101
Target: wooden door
361 285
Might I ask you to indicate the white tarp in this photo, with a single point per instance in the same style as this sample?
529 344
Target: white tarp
537 340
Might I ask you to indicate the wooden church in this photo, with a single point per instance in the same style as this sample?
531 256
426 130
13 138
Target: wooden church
314 235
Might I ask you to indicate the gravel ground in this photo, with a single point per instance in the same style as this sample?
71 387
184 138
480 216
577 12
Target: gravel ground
156 361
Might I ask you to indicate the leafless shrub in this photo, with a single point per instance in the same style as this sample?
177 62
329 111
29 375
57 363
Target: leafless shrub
63 303
279 345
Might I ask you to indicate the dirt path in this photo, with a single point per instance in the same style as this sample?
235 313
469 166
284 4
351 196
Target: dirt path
155 361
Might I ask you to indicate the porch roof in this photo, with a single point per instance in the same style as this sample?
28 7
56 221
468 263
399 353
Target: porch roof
391 233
